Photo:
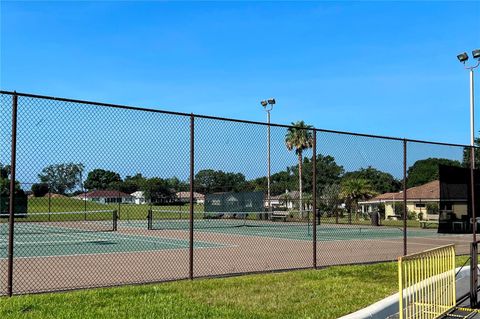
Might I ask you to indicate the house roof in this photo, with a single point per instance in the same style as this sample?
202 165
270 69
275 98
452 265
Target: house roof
106 193
428 191
183 195
292 195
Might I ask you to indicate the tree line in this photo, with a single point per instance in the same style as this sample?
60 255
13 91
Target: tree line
332 179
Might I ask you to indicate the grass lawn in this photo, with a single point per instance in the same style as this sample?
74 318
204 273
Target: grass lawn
326 293
65 204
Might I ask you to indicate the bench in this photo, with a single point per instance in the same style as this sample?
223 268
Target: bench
282 215
395 217
430 219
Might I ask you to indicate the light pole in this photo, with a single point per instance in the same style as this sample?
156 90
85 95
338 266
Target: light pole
463 57
268 106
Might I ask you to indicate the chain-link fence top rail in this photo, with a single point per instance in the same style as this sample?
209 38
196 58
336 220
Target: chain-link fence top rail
108 191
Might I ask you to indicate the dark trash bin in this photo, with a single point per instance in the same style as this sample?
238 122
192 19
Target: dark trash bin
375 218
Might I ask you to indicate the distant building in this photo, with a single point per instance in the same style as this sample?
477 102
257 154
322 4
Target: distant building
106 197
184 197
289 200
417 199
139 198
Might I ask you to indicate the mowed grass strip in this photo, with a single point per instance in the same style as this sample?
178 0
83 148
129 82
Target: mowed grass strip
326 293
126 211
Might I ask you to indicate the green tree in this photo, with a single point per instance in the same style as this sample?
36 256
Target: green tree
467 153
5 180
424 171
178 185
328 173
279 183
330 199
211 181
62 177
100 179
300 138
353 190
381 182
40 189
132 183
158 191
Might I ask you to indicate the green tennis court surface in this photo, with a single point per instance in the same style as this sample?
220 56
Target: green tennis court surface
288 230
61 241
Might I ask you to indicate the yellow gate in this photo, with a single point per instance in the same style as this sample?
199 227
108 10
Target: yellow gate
427 283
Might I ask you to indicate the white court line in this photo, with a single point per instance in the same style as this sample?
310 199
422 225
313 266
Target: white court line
57 242
121 252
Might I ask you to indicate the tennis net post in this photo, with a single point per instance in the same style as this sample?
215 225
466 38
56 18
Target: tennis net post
115 220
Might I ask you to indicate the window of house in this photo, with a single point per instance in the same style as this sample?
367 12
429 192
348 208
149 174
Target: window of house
113 200
446 206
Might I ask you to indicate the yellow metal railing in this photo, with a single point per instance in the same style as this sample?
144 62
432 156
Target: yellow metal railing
427 283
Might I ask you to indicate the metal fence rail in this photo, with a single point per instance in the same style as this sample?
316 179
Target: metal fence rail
427 283
190 195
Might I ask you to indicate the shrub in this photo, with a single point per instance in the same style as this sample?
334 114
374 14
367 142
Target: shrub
399 208
411 215
432 208
381 210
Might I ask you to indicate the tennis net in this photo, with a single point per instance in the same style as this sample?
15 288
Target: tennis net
168 219
62 222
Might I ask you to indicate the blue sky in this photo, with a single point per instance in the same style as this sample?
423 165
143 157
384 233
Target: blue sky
385 68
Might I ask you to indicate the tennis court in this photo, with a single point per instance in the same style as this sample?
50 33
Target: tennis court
81 233
263 225
89 249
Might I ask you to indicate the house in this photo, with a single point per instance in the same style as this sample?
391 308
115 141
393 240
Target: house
184 197
139 198
289 200
418 199
106 197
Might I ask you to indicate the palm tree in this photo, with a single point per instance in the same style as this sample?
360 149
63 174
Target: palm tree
353 190
300 138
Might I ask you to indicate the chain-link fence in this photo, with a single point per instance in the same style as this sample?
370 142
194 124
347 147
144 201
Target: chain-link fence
105 195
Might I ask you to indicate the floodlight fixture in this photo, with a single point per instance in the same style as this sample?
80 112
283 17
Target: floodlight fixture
476 54
462 57
264 103
271 101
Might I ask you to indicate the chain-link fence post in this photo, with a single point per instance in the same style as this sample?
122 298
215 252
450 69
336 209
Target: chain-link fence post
192 149
314 200
11 204
405 209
